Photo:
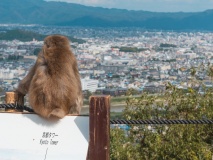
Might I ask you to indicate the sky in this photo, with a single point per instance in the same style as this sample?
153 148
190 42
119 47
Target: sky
149 5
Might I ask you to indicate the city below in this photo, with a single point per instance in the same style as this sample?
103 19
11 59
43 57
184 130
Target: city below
113 60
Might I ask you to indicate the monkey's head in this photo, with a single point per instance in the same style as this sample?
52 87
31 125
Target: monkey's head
55 45
56 41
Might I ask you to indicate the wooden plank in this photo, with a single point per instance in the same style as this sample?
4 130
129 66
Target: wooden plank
99 128
14 98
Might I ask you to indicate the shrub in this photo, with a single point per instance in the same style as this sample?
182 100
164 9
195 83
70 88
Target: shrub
166 142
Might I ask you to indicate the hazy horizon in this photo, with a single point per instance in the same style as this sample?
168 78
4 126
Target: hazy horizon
149 5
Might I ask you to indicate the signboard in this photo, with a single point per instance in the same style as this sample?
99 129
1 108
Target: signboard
30 137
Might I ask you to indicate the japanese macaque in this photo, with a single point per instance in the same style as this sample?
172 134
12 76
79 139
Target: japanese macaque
53 83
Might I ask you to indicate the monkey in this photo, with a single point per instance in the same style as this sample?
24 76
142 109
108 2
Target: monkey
53 83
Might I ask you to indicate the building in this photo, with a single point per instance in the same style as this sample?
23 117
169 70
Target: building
89 84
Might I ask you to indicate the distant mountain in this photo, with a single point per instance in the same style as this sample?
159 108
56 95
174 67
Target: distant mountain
69 14
25 36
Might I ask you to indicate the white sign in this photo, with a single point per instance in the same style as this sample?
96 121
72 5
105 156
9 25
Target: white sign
30 137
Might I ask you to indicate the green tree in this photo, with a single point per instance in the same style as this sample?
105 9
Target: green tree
167 45
14 57
210 71
166 142
119 149
87 94
25 36
132 91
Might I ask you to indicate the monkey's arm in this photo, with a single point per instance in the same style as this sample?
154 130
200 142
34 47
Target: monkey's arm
24 84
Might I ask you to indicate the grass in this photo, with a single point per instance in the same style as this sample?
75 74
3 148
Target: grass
116 115
121 99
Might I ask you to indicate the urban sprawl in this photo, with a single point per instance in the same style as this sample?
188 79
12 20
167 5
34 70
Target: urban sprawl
113 60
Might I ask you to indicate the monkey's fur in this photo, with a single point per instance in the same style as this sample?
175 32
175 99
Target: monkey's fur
53 83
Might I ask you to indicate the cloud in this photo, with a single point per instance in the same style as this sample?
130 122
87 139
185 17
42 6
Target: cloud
149 5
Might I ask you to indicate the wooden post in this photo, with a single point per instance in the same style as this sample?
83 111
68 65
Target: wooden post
99 128
14 98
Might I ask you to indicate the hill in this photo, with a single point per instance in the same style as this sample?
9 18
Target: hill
69 14
21 35
28 36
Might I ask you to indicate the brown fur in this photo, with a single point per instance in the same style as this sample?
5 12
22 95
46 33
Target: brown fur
53 83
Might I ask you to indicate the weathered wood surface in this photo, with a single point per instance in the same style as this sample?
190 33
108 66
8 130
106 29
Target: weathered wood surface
99 128
15 98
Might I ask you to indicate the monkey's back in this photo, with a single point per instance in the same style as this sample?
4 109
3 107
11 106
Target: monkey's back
56 86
